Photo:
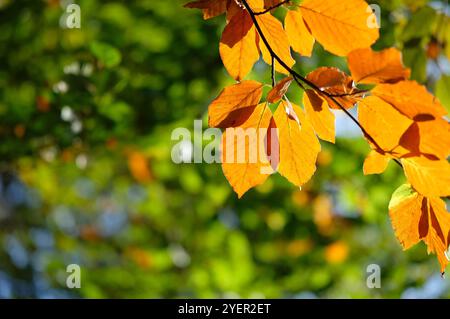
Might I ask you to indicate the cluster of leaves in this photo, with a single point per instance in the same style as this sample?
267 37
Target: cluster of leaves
110 199
400 119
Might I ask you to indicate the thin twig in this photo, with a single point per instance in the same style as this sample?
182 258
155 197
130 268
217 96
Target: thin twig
272 8
300 78
349 94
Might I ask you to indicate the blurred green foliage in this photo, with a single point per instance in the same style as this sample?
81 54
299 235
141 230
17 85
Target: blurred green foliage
86 175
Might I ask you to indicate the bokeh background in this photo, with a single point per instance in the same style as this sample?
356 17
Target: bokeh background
86 175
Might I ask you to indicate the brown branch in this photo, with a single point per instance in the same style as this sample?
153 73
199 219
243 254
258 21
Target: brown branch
272 8
349 94
300 79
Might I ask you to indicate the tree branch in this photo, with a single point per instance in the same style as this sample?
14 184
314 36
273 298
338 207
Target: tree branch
302 80
272 8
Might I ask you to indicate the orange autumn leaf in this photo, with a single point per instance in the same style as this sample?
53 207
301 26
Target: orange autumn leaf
211 8
415 217
256 5
401 119
429 177
139 168
375 163
336 83
277 93
383 122
238 46
244 159
271 3
299 146
429 138
234 100
232 9
278 41
411 99
320 116
340 26
371 67
299 36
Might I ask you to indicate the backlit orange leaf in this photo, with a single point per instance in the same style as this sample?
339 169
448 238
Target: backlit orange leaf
429 177
232 9
299 36
277 93
411 99
429 138
211 8
383 122
238 46
271 3
278 41
256 5
299 145
400 119
244 159
375 163
415 218
368 66
338 84
340 26
320 116
227 109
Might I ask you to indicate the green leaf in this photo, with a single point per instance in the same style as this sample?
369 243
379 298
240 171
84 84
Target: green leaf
415 58
106 54
443 92
420 25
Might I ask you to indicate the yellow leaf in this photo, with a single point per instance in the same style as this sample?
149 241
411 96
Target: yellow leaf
405 210
411 99
375 163
415 218
340 26
336 83
320 116
256 5
234 101
298 33
271 3
428 177
383 122
299 146
277 93
238 47
278 41
244 158
438 235
370 67
430 138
